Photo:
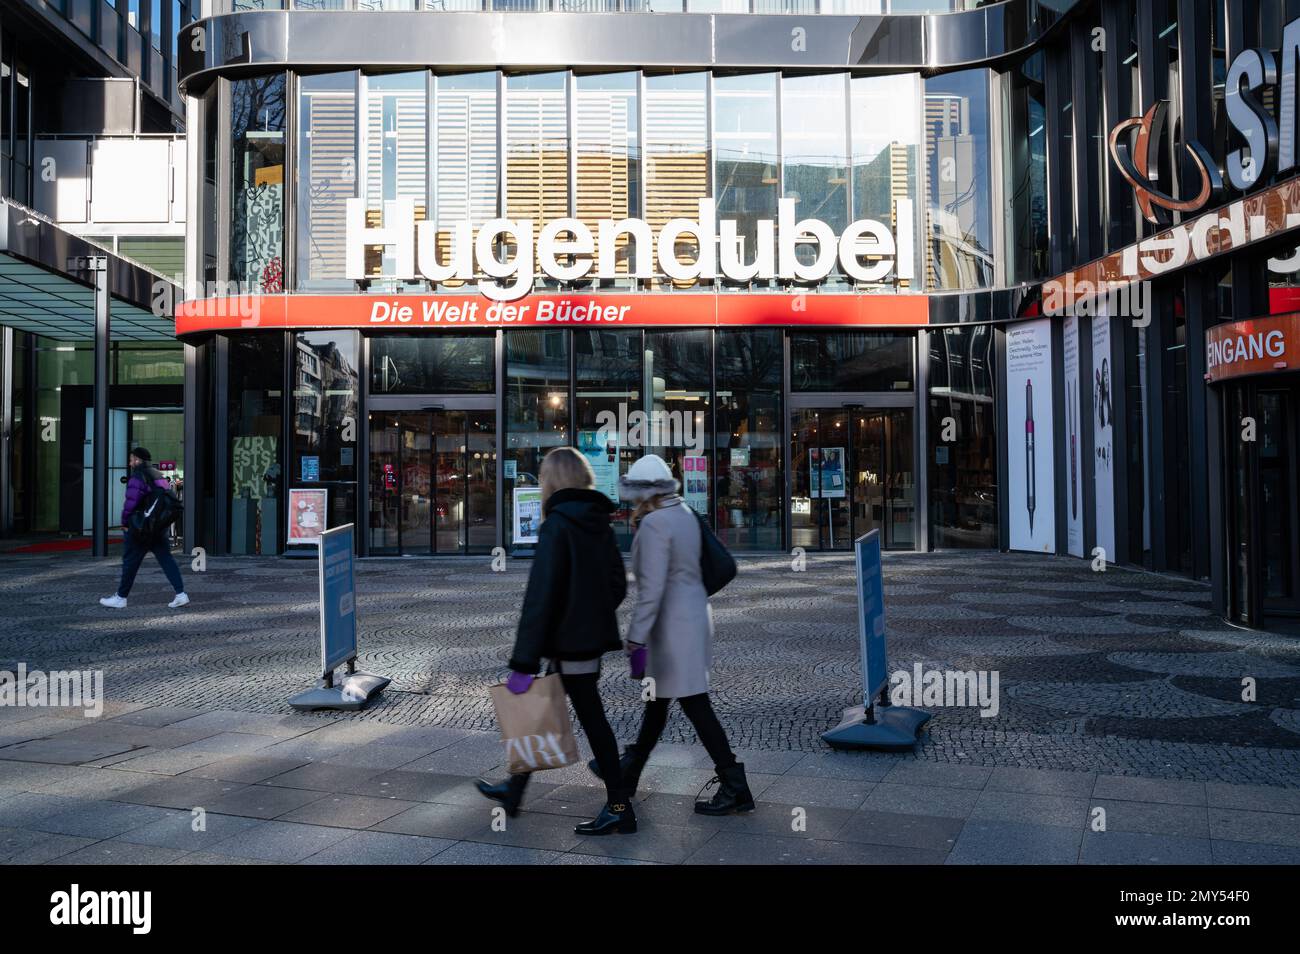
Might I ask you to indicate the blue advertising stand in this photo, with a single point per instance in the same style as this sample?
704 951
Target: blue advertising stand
875 724
338 631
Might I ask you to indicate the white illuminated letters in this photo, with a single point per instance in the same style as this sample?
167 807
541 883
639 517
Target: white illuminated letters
506 256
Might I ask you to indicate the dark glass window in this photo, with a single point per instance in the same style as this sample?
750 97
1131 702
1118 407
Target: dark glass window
537 406
609 387
1027 171
678 369
325 406
256 402
851 361
748 438
963 470
435 363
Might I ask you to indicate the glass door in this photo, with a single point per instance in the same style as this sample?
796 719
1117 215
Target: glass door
432 482
852 472
1277 501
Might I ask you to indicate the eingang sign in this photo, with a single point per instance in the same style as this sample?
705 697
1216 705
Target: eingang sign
1257 346
566 250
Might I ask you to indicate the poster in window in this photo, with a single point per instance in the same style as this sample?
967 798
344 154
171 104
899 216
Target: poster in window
695 484
1073 487
307 510
527 509
826 466
1031 478
601 450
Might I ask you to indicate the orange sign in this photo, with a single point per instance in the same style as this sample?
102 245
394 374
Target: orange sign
1230 228
459 312
1257 346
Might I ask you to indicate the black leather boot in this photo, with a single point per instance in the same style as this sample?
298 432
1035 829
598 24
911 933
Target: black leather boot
732 796
631 762
509 793
616 816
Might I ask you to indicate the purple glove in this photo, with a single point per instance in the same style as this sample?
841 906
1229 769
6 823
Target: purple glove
636 662
519 682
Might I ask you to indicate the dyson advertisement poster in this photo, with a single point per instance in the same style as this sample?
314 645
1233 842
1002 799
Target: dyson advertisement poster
1073 485
1030 474
1103 436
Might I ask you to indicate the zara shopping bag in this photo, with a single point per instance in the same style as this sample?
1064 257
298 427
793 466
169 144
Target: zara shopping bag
535 726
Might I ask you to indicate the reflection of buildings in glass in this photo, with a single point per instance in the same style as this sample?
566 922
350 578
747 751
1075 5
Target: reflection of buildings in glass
324 395
955 255
880 182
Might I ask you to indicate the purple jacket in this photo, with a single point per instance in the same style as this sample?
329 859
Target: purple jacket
137 488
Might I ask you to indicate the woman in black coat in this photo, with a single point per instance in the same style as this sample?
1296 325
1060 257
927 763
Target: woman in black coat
569 618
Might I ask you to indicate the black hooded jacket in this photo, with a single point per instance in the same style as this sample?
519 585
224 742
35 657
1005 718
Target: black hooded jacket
575 586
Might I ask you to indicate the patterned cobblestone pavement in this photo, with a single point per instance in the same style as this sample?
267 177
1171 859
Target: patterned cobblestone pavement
1123 673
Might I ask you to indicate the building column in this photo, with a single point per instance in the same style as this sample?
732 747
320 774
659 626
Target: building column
193 442
97 265
6 431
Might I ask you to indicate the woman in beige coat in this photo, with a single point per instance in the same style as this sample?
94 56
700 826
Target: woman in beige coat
671 635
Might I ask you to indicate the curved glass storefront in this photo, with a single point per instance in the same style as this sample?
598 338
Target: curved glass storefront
461 151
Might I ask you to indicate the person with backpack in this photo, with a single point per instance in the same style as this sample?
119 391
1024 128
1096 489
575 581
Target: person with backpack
671 634
569 618
147 493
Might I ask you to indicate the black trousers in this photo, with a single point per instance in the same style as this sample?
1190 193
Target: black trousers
707 727
582 692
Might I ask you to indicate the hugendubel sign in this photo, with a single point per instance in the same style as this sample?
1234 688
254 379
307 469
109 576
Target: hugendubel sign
566 249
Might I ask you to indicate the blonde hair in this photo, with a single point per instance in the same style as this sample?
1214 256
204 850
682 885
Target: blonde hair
649 505
565 469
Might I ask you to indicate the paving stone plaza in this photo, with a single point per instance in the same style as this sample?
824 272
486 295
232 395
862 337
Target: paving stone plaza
1118 690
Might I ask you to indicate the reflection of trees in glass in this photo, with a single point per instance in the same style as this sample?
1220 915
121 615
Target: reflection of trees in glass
257 182
432 364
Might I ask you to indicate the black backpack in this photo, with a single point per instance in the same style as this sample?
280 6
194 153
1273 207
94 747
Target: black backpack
717 565
159 510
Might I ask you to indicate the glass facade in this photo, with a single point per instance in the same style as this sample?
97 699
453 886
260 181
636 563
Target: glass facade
256 441
257 137
996 175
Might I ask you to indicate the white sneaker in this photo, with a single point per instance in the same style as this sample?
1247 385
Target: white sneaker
181 600
113 602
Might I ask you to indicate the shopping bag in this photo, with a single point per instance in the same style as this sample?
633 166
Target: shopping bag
535 726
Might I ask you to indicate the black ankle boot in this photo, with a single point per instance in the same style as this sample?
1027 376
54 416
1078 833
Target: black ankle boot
509 793
732 796
631 763
615 816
